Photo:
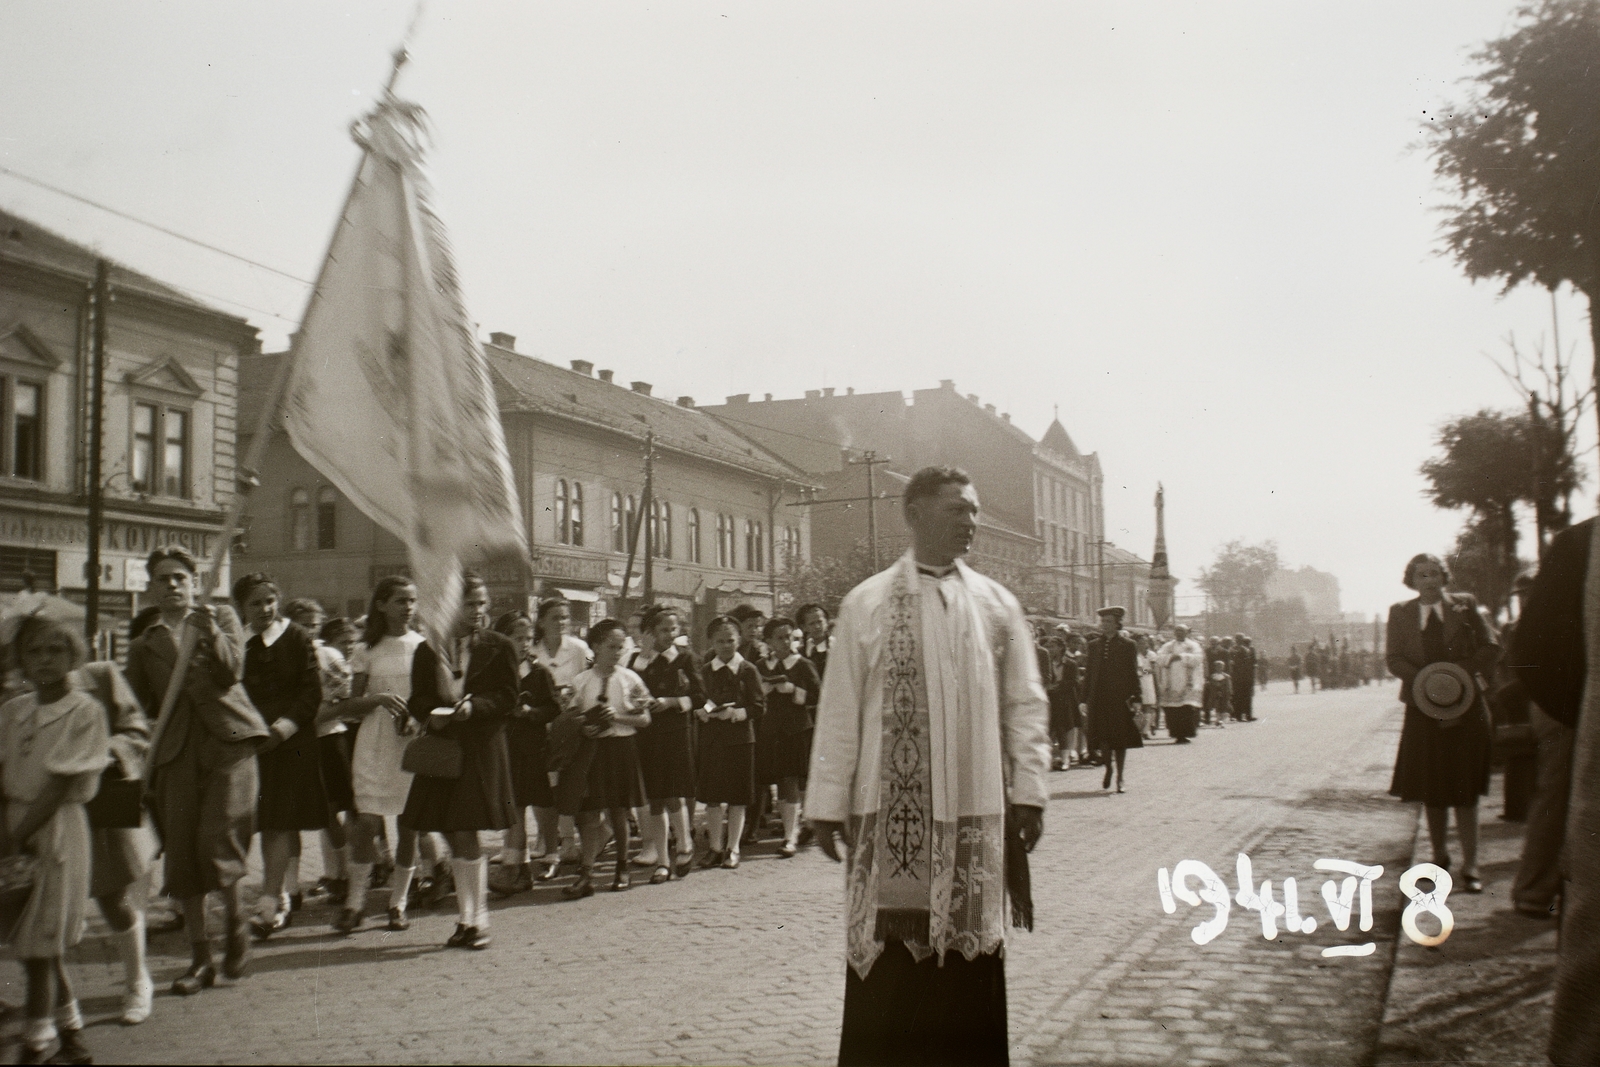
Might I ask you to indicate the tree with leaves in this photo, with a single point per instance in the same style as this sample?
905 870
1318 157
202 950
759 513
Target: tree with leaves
1522 155
1486 466
1478 566
1237 579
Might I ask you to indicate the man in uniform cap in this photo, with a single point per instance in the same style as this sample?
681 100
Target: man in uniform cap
1112 679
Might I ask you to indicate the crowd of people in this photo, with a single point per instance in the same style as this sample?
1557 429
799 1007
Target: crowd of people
1334 665
1114 690
396 747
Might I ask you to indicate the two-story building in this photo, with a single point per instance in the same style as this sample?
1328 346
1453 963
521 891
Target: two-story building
717 525
168 421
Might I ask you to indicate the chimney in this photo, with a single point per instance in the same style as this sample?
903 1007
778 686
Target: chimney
813 394
768 398
642 388
851 391
583 367
827 392
503 340
606 375
989 408
1005 416
947 383
686 401
970 396
739 398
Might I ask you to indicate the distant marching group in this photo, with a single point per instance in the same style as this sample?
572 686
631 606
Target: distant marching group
291 722
1110 693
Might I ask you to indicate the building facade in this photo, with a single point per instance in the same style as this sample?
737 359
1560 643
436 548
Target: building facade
168 422
1042 516
717 527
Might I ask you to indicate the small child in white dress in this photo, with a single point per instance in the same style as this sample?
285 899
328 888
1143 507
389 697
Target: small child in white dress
54 743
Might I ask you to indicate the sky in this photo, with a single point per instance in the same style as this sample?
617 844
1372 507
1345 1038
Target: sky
1202 231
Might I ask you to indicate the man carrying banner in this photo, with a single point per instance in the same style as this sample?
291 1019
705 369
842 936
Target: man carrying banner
932 736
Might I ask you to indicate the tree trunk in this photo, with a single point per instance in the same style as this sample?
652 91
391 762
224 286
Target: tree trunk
1594 341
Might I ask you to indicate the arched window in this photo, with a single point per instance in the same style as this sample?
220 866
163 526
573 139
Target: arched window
299 520
562 501
725 540
575 515
327 518
661 528
619 542
694 535
753 548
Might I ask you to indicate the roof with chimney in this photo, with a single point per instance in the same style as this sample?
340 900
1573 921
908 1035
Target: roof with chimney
529 384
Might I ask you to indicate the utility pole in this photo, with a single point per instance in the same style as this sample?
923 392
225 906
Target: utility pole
647 515
633 532
97 382
869 459
774 497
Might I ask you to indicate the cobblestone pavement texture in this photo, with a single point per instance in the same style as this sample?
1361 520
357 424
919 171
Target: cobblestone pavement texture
747 967
1484 996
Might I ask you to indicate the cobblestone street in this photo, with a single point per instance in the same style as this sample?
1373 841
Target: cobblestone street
747 967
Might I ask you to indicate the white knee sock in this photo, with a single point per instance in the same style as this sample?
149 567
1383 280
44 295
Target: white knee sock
789 811
714 817
69 1016
680 822
480 892
130 946
466 907
333 859
736 817
400 887
40 1034
360 876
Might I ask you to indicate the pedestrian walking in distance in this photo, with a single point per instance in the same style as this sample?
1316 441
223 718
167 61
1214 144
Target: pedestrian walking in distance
53 746
725 763
931 756
1112 695
1443 759
465 697
205 783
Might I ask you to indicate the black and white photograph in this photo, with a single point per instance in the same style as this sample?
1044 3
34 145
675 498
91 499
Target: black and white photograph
824 533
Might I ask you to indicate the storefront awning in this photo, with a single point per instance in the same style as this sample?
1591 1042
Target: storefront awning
587 596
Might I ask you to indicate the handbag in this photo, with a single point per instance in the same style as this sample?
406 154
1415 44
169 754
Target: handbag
119 805
432 756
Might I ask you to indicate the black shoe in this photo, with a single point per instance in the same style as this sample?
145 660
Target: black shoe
582 886
711 859
197 977
461 937
265 928
347 922
72 1049
1105 782
297 901
398 920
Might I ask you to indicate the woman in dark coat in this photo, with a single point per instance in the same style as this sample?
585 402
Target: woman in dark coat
283 682
1111 692
466 700
1443 764
528 741
725 761
666 752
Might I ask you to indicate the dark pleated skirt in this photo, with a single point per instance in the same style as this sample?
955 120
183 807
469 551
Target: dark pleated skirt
911 1013
666 760
334 753
292 794
791 755
726 774
479 800
528 743
1443 766
605 774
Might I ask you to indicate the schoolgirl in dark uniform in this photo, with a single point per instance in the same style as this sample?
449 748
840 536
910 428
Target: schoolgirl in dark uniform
792 687
666 754
725 760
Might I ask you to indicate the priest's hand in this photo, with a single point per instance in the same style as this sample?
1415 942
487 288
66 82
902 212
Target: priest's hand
825 831
1030 824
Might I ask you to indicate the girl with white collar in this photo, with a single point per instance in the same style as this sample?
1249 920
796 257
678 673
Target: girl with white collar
665 754
726 757
791 685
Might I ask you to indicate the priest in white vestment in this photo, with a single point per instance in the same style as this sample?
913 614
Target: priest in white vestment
932 736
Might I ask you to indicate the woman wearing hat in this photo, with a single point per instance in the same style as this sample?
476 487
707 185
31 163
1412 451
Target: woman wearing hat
1438 645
